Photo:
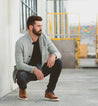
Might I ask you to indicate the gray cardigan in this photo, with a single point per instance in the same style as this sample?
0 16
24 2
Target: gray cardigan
24 50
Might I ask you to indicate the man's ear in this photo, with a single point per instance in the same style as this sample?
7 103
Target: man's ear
30 27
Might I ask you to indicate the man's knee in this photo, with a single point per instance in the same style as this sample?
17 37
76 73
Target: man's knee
22 76
59 63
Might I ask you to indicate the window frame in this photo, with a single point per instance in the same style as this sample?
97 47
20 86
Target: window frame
27 8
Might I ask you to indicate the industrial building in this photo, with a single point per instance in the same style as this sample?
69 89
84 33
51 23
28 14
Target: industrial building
71 24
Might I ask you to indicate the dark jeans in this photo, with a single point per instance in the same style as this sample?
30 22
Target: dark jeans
24 77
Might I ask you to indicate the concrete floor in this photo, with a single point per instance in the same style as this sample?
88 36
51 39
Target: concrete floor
76 87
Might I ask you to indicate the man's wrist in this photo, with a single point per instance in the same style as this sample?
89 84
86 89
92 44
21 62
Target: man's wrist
54 56
34 69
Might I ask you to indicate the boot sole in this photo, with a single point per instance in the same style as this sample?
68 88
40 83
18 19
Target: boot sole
22 98
52 99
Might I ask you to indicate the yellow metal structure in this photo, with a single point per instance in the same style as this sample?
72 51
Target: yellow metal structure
59 30
97 39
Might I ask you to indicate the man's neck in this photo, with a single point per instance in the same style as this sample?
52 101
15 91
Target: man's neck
33 36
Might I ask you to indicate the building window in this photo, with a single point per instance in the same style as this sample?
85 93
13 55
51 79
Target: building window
27 8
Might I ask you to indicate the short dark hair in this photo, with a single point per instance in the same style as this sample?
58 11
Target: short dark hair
31 20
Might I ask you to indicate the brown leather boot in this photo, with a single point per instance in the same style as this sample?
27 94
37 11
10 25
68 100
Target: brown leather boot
22 94
51 96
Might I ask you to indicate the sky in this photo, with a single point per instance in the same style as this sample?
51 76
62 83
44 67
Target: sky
88 9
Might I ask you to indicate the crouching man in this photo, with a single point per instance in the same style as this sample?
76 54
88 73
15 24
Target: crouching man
33 61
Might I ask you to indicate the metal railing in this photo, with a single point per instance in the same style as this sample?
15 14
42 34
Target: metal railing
58 29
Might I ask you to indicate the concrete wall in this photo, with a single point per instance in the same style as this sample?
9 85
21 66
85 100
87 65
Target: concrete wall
9 33
4 48
67 49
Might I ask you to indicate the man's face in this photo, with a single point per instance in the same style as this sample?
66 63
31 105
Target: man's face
37 28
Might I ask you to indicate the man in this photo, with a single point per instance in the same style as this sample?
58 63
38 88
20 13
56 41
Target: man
33 61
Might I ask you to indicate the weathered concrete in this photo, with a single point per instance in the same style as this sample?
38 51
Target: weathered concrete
76 87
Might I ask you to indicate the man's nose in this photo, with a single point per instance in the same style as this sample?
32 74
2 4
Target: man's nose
41 28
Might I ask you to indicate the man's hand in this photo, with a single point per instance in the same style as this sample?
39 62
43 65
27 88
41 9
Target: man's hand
38 74
51 61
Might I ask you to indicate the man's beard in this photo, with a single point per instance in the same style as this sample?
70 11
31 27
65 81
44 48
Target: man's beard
37 33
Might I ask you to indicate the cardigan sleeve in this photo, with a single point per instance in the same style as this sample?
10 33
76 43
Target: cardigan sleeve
20 65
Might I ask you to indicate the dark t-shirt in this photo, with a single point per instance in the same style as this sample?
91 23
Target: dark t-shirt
36 55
